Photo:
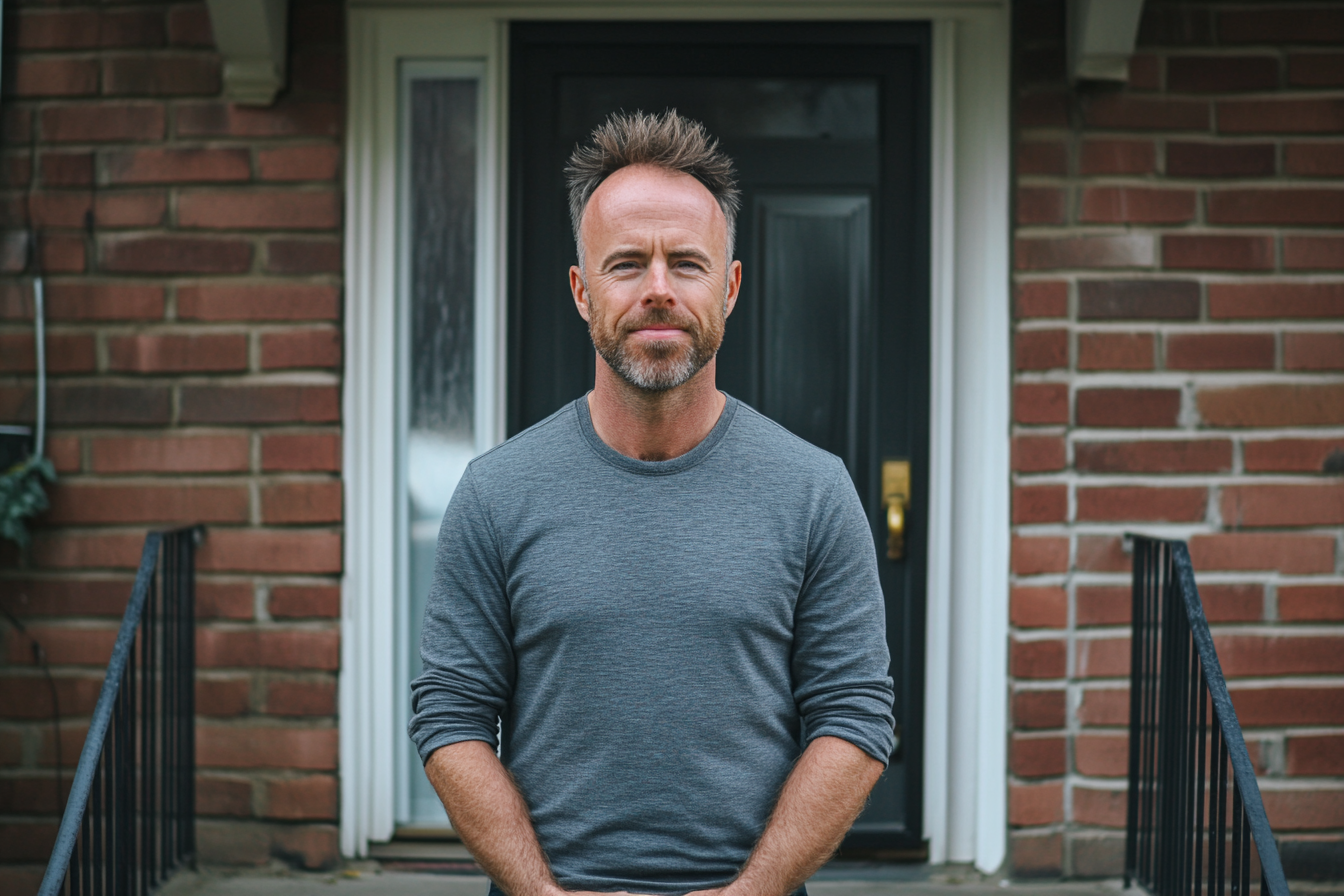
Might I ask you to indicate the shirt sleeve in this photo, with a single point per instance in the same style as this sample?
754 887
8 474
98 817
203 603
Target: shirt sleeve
467 639
840 656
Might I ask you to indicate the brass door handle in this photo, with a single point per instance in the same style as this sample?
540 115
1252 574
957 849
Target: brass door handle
896 498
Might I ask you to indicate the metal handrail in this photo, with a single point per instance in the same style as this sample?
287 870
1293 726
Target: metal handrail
1180 715
130 817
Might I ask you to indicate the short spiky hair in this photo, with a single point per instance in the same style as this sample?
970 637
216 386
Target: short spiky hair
668 141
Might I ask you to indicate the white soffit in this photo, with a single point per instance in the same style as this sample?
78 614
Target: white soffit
252 37
1101 38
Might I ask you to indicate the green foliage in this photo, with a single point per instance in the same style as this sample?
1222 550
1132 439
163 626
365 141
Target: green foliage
22 496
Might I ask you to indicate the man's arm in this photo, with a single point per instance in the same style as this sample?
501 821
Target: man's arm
820 800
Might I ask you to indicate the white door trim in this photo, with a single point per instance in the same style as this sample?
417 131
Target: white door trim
965 790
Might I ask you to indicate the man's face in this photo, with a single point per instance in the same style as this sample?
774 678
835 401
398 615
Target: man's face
656 286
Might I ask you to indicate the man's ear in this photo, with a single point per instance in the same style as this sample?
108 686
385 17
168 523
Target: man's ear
734 287
580 291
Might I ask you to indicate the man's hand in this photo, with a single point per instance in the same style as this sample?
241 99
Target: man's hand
821 798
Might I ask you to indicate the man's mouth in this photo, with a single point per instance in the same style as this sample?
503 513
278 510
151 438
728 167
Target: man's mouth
659 331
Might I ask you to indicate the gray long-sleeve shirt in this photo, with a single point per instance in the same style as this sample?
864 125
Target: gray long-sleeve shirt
658 638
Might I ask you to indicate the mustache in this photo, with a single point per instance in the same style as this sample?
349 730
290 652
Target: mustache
660 317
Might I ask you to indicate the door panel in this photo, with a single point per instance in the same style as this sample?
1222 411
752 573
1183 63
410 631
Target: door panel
827 124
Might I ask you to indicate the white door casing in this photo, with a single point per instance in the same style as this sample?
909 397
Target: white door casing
966 689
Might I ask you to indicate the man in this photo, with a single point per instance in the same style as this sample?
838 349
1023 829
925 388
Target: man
660 595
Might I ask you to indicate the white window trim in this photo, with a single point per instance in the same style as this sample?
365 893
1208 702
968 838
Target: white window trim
966 687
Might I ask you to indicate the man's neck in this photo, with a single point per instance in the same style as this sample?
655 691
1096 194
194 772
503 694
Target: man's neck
654 425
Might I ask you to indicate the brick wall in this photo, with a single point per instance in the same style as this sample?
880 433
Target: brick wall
1179 346
193 257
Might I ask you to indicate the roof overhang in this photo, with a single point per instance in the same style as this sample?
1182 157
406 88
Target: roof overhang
252 37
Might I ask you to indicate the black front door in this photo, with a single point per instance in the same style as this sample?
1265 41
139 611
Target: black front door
828 125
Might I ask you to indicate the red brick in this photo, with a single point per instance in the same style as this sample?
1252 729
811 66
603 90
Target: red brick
55 30
1261 301
1136 205
319 452
1294 554
289 748
1046 607
1104 706
66 353
1041 349
1140 503
127 209
59 209
66 453
1036 855
1038 454
66 169
1042 157
1311 603
1273 406
217 795
254 550
285 256
27 697
132 28
1043 110
101 596
1037 659
64 645
1101 553
81 503
1222 74
311 798
1291 455
259 210
1313 351
317 72
1281 24
316 162
1138 300
1281 116
1132 250
1102 658
1124 112
1040 403
161 75
1039 205
1258 707
1128 407
284 119
301 502
1032 556
102 122
1040 503
1304 810
1244 656
55 77
1117 157
1318 504
312 847
1103 604
1313 253
1316 69
1321 754
305 601
176 255
1101 755
1037 757
1207 251
1220 351
301 698
1209 159
177 353
1233 602
236 843
189 26
1314 159
98 405
223 698
167 166
62 254
254 648
26 841
84 301
297 301
224 600
171 454
1038 709
301 348
1043 298
1277 206
11 754
259 404
1035 804
1115 351
1102 808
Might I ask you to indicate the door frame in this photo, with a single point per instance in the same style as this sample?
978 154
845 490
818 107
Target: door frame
966 639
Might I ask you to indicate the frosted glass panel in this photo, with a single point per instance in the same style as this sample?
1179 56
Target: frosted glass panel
439 194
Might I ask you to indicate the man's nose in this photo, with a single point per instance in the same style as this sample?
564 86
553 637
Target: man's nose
658 285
